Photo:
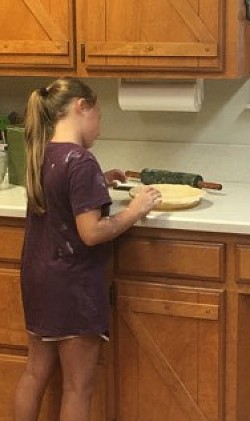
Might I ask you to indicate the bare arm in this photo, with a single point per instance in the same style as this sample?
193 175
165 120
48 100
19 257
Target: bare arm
94 229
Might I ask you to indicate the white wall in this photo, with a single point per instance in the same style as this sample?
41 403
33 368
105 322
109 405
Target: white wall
214 142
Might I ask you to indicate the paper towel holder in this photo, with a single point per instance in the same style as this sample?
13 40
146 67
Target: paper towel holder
161 95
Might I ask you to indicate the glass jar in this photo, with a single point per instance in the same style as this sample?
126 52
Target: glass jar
3 162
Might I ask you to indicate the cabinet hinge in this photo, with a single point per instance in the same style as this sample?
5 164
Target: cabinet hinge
112 296
82 52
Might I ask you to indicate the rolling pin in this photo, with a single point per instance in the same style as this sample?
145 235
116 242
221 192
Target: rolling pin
153 176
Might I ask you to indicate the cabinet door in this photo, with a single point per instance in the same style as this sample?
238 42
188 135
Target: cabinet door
11 367
12 329
36 33
170 353
13 355
154 34
13 341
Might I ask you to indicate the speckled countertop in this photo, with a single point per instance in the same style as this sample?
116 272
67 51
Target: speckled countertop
225 211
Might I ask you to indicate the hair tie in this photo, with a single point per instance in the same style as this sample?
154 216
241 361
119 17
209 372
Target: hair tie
43 92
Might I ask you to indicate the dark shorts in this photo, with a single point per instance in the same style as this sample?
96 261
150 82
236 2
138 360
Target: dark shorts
104 336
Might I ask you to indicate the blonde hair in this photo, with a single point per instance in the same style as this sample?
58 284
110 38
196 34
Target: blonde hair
46 106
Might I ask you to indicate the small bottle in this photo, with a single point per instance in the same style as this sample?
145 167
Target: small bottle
4 166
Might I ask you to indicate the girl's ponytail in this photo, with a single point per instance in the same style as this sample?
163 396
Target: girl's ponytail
37 133
46 106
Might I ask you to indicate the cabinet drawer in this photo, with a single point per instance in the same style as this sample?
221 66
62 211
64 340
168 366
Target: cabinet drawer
243 263
11 242
181 259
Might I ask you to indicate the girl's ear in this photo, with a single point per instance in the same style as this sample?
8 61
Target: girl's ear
80 105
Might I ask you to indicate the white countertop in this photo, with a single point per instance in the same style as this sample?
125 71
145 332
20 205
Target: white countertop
12 201
226 211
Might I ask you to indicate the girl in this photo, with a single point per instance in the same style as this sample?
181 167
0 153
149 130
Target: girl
65 247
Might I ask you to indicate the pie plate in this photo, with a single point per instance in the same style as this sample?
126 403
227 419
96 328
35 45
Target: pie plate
174 196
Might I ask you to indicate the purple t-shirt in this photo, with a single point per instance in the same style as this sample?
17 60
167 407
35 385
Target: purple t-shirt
62 279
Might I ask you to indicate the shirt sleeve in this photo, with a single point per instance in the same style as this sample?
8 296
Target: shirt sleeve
87 186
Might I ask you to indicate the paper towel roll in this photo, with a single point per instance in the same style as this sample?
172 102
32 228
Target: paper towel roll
161 96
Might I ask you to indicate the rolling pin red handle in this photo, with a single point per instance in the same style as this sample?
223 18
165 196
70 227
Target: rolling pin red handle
133 174
209 185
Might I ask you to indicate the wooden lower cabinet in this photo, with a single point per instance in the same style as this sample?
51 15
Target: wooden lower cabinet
170 353
180 342
11 368
13 340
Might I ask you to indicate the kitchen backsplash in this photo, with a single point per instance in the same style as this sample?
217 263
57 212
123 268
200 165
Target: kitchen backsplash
220 162
214 142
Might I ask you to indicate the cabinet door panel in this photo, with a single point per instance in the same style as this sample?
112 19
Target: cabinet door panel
168 361
11 242
12 330
155 34
36 33
11 368
243 263
13 339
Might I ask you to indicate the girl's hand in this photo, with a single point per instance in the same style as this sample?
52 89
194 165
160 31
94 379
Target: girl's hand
145 200
114 174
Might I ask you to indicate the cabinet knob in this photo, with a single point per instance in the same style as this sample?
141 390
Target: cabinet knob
149 48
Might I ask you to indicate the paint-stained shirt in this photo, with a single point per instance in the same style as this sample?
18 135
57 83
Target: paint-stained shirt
62 279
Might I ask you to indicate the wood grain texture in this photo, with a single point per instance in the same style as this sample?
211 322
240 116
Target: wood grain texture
182 259
179 343
37 9
41 34
122 49
135 34
168 354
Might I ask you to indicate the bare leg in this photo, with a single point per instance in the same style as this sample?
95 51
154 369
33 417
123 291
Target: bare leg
41 360
78 358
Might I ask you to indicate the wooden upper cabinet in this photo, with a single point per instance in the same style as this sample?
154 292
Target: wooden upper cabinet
174 39
155 35
125 38
36 34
